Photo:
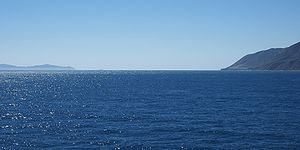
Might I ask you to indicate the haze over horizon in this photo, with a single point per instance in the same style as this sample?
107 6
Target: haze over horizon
156 34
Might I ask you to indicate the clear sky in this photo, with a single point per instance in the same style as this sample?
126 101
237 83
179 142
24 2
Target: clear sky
143 34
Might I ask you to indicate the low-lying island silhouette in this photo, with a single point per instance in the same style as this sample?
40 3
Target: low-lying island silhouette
36 67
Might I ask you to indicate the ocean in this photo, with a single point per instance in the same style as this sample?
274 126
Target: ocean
150 110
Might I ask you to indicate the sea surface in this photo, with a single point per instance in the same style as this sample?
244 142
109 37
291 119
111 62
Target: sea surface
150 110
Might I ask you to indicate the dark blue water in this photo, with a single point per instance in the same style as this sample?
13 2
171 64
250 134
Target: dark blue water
150 110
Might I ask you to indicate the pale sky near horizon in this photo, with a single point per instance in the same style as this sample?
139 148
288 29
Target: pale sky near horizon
143 34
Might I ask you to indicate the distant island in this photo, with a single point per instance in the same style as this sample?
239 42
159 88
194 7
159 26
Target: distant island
36 67
271 59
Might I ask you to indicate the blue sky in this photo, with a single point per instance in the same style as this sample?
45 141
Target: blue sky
143 34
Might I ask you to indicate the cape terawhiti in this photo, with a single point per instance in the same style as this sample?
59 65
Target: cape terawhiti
36 67
271 59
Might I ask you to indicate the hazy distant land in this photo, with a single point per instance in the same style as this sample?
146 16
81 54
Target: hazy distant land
271 59
36 67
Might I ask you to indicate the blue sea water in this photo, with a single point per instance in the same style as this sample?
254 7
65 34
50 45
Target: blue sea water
150 110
